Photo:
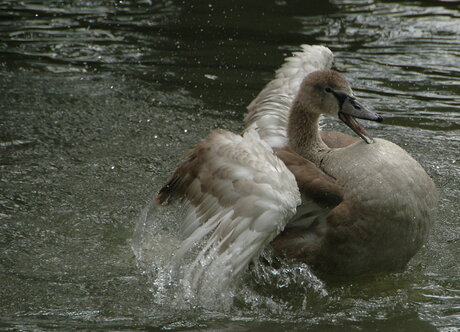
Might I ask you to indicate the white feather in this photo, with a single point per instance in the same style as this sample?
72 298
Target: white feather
252 196
269 111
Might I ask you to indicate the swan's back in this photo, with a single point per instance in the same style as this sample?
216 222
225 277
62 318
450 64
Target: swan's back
269 111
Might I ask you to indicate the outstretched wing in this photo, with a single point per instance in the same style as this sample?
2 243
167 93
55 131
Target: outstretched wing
239 194
269 111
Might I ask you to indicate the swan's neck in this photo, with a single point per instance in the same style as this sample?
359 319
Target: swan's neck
303 133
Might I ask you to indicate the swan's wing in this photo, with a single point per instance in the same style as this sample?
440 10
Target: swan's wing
269 111
238 190
304 234
320 192
316 185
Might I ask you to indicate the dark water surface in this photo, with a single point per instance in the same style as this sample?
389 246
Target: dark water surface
99 99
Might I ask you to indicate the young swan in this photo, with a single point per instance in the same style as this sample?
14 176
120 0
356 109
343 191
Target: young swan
366 206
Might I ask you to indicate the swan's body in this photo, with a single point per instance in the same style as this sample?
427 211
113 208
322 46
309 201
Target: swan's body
384 217
365 207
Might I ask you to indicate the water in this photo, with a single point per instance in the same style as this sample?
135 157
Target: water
101 98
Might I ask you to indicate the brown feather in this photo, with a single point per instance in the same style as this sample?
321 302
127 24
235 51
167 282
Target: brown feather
312 181
180 180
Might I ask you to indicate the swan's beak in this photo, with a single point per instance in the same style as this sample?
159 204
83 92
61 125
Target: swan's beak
351 109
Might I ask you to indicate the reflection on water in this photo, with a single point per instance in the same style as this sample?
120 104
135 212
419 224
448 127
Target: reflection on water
101 98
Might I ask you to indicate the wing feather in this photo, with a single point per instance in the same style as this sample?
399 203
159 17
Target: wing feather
269 111
239 196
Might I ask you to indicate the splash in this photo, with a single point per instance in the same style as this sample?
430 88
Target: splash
181 281
200 277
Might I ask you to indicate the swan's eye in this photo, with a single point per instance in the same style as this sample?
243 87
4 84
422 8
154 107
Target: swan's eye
328 90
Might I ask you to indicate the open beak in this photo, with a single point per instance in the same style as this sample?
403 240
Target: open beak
351 108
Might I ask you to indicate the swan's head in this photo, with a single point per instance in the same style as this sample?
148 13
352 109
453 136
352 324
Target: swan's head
328 92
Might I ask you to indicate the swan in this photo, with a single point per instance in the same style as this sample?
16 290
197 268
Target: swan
344 205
